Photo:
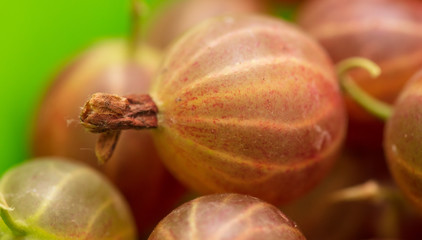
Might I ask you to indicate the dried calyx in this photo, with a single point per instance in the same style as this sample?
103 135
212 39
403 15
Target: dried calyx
108 114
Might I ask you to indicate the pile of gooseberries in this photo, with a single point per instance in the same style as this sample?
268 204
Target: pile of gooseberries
258 128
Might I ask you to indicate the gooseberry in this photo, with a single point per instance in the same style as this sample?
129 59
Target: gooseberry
226 216
56 199
245 104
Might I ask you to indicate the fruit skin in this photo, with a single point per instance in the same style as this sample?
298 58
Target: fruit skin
248 104
135 168
384 31
179 16
226 216
402 142
58 199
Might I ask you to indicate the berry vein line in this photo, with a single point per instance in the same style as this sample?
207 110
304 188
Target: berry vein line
245 66
219 40
53 193
192 220
244 215
96 214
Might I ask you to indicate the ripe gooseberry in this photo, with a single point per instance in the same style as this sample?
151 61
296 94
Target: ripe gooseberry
226 216
109 66
384 31
246 104
403 132
52 199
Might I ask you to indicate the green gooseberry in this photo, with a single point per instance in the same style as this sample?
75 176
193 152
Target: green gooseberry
51 198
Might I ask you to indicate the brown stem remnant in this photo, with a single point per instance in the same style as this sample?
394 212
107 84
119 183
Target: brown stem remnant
108 114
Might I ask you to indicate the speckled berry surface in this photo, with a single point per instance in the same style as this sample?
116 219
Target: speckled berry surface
248 104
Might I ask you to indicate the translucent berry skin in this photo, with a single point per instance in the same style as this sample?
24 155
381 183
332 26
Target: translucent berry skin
58 199
135 168
226 216
179 16
248 104
403 138
384 31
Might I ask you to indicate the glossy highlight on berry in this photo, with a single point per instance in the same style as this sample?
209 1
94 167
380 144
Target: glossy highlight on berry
226 216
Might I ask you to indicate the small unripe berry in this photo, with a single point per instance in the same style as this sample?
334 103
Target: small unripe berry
51 199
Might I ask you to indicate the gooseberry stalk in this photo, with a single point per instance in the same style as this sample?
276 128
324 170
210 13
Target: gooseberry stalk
369 103
383 199
134 34
369 190
139 10
16 228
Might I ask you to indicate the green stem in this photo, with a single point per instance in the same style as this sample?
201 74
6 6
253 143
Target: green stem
138 13
135 24
16 228
369 190
369 103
